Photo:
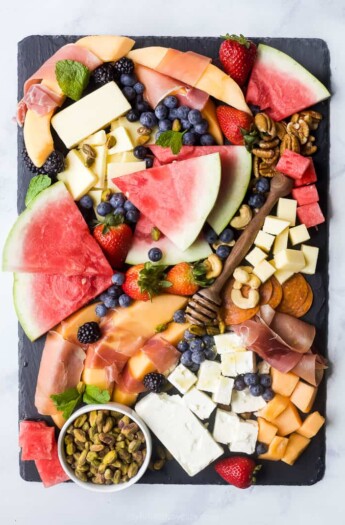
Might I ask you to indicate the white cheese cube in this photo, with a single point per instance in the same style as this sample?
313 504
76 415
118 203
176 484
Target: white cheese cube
125 156
199 403
263 367
264 240
246 437
116 169
123 141
223 393
225 426
228 364
77 177
286 210
132 128
311 254
255 256
245 362
242 401
97 139
299 234
229 342
281 241
182 378
274 226
264 270
99 165
96 196
283 275
209 373
292 260
89 114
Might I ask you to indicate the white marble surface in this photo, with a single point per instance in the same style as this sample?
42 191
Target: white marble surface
29 503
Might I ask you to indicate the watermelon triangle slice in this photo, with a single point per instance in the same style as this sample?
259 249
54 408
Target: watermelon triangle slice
51 237
280 86
177 197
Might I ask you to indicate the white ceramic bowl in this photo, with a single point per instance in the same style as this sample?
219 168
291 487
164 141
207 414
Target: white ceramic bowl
117 408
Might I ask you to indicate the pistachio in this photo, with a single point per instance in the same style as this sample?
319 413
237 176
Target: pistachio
143 130
197 330
91 456
159 464
108 439
120 445
106 194
109 423
70 460
110 457
81 475
155 234
212 330
124 455
123 421
116 464
140 435
108 474
169 456
129 429
98 479
124 469
134 445
80 445
83 468
79 422
138 457
88 151
142 139
111 141
102 468
70 449
99 421
132 470
82 458
117 477
96 463
176 125
79 435
68 439
93 418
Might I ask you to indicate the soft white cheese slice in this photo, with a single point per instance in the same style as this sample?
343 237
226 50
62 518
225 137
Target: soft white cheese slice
123 141
99 165
199 403
229 342
246 437
76 176
116 169
209 373
225 426
182 378
242 401
224 390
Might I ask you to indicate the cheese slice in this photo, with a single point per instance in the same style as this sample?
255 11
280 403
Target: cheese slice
123 141
264 240
76 176
98 167
116 169
255 256
97 139
299 234
311 254
264 270
275 226
281 241
286 210
291 260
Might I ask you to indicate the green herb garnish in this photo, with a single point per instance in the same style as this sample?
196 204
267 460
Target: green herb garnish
172 139
37 184
72 77
68 401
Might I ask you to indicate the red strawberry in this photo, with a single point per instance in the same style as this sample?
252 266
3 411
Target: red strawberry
186 278
237 55
143 281
115 238
238 471
232 121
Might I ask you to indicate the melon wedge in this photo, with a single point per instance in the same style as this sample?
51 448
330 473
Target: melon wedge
51 237
37 136
236 171
280 86
177 197
142 242
107 47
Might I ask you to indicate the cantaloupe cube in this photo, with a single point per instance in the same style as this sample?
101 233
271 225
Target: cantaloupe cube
174 333
283 384
303 396
288 421
311 425
97 377
274 408
124 398
58 419
296 445
276 449
267 431
139 365
69 327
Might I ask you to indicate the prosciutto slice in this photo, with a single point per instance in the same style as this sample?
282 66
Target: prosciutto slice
61 367
162 354
129 384
311 368
189 66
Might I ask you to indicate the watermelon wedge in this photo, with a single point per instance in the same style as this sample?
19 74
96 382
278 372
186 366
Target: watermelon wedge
280 86
142 242
236 171
177 197
51 237
42 301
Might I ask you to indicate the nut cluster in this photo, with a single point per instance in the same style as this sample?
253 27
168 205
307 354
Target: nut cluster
104 447
243 276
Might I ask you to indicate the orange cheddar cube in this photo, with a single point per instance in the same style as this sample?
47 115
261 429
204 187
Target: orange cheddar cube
283 384
124 398
288 421
267 431
139 365
274 407
296 445
311 425
276 449
304 396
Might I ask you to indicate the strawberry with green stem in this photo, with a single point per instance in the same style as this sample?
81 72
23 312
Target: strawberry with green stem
144 281
115 238
237 55
186 278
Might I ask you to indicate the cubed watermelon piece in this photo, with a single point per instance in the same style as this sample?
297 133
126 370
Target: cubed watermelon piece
38 443
310 215
305 195
293 164
308 178
25 426
50 470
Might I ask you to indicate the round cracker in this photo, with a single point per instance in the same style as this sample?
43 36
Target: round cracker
295 292
307 303
277 294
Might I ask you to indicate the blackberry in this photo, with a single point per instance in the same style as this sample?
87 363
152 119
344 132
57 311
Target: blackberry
104 74
124 65
89 333
54 164
154 382
28 162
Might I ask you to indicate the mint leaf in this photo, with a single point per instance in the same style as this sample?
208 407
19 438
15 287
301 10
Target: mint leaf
72 77
93 394
37 184
67 401
172 139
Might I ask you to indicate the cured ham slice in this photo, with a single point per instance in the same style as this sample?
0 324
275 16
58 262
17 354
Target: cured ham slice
162 354
188 67
40 99
311 368
60 369
129 384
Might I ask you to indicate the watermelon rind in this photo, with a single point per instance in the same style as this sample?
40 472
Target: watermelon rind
29 323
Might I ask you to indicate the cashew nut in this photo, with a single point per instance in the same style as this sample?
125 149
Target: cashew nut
245 302
220 243
243 219
254 282
241 275
237 285
214 265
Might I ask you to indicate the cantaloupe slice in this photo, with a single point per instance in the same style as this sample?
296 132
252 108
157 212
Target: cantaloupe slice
37 136
69 327
267 431
283 384
124 398
97 377
311 425
288 421
296 445
174 332
107 47
304 396
58 419
209 113
274 408
276 449
139 365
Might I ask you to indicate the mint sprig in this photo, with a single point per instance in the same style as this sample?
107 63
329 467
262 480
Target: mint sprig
68 401
172 139
72 77
37 184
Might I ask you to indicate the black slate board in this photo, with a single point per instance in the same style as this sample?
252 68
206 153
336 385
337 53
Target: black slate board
314 55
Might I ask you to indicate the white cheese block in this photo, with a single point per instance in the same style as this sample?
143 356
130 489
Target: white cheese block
238 363
125 156
223 393
89 114
299 234
228 364
99 165
263 367
246 437
242 401
182 378
286 210
255 256
209 373
77 177
274 226
180 431
229 342
281 241
116 169
264 270
97 139
225 426
283 275
132 128
291 260
123 141
264 240
199 403
311 254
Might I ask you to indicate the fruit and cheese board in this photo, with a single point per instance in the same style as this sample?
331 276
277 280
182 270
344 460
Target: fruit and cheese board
143 164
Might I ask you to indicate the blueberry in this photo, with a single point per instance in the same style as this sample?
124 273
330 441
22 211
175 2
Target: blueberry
268 394
133 215
189 138
127 79
256 390
182 112
148 119
129 93
172 114
262 185
165 124
86 202
155 254
140 152
114 291
202 127
117 200
188 335
183 346
186 358
110 302
227 235
210 235
207 140
103 296
195 116
119 210
208 341
265 380
161 112
124 300
139 88
104 208
101 310
194 367
132 115
118 278
223 251
256 200
261 448
239 383
142 106
210 354
170 102
129 206
179 316
148 162
251 379
196 345
185 124
198 357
